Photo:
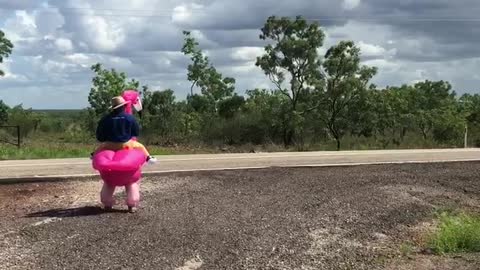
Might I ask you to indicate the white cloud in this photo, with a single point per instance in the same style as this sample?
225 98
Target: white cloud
248 54
78 58
102 35
371 50
19 27
350 4
64 44
9 76
183 13
48 20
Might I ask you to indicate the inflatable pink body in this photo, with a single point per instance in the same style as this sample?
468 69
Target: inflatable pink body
122 167
119 168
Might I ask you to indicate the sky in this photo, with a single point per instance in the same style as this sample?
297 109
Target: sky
57 41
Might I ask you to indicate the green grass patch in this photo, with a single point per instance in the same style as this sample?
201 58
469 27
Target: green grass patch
59 150
456 233
44 151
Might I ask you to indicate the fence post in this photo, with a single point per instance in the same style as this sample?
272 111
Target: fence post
18 137
466 137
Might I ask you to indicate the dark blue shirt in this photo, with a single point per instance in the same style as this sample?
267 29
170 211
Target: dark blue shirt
117 128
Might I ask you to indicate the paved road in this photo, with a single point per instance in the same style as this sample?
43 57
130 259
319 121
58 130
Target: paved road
77 167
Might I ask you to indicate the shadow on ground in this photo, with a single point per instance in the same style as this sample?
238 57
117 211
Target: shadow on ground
74 212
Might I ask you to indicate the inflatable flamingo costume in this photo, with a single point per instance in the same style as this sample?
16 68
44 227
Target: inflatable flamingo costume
122 167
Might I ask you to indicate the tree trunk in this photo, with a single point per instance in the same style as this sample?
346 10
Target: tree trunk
424 134
288 137
338 143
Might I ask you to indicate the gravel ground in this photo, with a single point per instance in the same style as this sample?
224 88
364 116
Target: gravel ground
360 217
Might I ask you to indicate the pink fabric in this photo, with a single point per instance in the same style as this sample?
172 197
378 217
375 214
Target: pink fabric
106 195
122 160
133 194
132 191
119 168
132 96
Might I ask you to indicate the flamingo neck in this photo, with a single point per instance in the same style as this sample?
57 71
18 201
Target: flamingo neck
128 108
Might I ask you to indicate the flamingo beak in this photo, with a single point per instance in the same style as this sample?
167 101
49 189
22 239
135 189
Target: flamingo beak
138 105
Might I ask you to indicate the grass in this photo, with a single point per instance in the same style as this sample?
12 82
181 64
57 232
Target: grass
456 233
59 150
407 249
43 151
41 145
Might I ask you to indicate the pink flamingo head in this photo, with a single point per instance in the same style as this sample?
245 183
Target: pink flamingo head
132 96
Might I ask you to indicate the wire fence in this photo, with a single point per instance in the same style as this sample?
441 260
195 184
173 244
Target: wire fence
10 135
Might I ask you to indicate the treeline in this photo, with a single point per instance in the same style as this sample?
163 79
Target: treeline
317 100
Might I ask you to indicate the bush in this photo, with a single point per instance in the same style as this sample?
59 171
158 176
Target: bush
456 233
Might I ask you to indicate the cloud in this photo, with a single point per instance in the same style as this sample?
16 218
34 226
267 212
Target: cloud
19 4
371 50
251 14
247 53
350 4
57 41
63 44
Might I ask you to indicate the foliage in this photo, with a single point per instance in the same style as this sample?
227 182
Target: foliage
293 56
456 233
161 115
317 103
25 118
107 84
6 47
3 113
204 75
345 90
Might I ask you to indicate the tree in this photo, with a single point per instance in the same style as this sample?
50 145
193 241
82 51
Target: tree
346 84
469 105
293 56
265 110
161 114
25 118
430 102
161 103
392 114
204 75
107 84
3 112
229 107
6 47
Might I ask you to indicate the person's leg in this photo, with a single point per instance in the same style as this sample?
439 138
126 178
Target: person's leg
133 196
106 196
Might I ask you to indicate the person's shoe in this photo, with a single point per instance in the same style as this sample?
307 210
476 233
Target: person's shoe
108 209
151 160
132 209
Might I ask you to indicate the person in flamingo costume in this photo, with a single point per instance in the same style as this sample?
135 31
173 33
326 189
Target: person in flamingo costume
120 156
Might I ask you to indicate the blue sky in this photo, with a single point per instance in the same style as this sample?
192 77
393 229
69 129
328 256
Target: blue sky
57 41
